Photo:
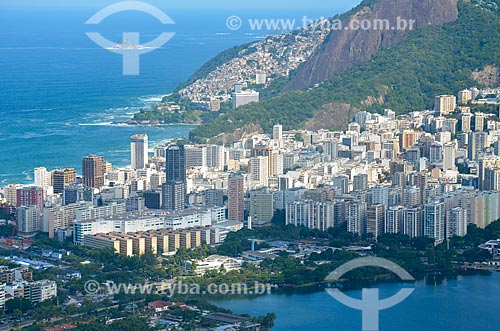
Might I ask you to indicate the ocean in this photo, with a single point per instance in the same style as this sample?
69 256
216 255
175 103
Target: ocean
60 93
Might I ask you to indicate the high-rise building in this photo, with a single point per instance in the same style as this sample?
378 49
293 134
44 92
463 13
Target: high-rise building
312 214
379 195
397 166
360 182
74 193
244 97
261 208
390 114
341 183
93 171
63 177
2 297
175 164
411 196
213 198
331 148
356 217
283 183
216 157
375 220
449 155
139 151
260 78
457 222
413 155
278 164
408 139
43 177
464 97
29 219
259 170
491 179
264 150
290 160
496 148
40 291
419 179
236 195
434 221
436 153
196 156
10 193
152 199
278 132
394 219
443 137
479 123
412 222
477 143
157 180
449 125
174 195
445 104
31 196
485 163
466 122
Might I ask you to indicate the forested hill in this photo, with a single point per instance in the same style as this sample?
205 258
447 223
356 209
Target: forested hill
438 59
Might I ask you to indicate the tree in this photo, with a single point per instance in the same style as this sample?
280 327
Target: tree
18 304
266 321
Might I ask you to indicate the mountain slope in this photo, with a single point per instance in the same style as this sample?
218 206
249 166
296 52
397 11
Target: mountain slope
403 77
346 48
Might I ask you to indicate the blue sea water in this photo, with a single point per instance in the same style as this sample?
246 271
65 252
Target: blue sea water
467 304
59 92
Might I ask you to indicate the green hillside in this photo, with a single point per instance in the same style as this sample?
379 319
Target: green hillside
430 61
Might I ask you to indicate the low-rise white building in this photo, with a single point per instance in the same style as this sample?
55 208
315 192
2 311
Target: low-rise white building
217 262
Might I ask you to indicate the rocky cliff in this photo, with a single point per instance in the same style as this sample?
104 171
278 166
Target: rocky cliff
347 47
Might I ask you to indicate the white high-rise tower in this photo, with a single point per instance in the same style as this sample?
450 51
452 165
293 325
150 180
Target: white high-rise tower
139 151
277 132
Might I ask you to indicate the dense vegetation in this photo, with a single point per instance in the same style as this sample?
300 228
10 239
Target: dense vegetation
186 117
492 5
431 61
417 255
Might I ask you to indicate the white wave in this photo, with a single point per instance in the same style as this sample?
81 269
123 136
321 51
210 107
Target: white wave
32 135
222 33
152 98
28 174
119 151
30 110
105 124
154 144
117 109
96 124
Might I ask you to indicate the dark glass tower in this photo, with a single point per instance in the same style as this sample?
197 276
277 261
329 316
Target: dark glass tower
175 164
